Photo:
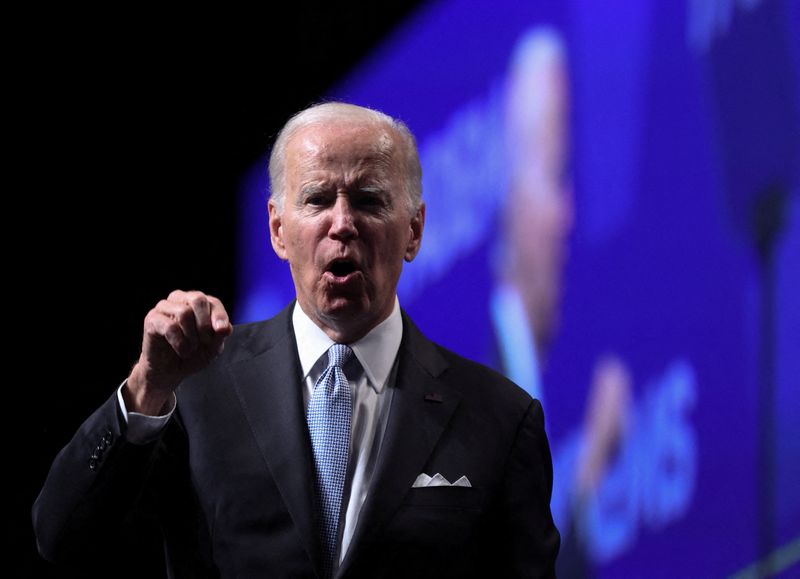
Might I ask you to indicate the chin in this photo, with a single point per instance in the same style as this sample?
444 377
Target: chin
344 307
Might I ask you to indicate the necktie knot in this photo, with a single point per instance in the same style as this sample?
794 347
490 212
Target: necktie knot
339 355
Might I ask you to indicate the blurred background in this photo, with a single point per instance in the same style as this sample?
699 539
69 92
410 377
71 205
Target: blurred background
613 195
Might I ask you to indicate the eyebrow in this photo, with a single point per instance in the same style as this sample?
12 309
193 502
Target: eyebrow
377 189
316 188
312 188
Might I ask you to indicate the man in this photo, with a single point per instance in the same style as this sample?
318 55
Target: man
331 440
525 306
538 208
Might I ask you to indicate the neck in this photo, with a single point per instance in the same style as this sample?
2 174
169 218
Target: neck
346 329
344 333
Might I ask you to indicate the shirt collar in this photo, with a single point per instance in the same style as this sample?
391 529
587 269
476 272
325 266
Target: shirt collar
516 340
375 352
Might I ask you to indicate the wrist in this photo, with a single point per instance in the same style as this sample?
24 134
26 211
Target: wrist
143 397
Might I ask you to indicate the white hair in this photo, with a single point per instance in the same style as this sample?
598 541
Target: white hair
339 111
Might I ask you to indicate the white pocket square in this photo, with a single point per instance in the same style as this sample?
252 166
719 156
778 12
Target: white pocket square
438 480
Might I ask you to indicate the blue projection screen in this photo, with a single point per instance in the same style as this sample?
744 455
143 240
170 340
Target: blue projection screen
613 220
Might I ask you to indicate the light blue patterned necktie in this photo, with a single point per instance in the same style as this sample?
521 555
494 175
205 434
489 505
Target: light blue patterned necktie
329 415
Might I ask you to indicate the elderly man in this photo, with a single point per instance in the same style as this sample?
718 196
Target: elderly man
331 440
525 306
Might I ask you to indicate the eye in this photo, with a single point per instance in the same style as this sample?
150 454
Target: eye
371 200
316 199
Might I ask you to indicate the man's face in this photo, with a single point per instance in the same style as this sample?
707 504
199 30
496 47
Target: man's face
540 212
345 227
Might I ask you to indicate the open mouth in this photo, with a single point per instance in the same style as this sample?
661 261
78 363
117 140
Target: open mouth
341 268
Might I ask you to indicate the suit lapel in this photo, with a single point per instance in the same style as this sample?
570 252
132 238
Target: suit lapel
268 386
422 405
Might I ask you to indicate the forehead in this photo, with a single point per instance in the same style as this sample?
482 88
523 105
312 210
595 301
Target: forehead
341 145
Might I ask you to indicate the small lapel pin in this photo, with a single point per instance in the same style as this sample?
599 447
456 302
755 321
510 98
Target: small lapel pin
433 397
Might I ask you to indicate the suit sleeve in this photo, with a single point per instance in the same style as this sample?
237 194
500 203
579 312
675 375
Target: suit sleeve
531 536
92 487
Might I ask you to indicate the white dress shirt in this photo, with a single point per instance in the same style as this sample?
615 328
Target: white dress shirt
372 389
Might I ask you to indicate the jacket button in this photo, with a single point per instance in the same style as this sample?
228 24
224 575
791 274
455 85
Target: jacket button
92 464
108 437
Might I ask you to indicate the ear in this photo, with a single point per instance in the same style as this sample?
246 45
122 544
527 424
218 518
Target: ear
415 237
276 230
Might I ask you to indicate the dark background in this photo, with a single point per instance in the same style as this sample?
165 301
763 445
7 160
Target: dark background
129 133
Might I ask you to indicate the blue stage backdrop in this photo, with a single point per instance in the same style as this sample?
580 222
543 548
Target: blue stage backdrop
613 220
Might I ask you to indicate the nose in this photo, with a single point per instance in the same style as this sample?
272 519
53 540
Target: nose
343 219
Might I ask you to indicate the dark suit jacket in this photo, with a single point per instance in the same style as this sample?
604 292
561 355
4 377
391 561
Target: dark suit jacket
231 481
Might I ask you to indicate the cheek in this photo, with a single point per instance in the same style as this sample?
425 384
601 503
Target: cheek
525 226
385 250
299 244
541 220
392 259
295 246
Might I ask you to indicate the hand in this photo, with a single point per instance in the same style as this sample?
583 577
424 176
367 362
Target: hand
606 422
182 335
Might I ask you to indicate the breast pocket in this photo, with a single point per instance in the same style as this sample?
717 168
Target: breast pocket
437 519
446 498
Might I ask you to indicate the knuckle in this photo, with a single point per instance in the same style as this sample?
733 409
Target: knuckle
176 295
198 300
151 321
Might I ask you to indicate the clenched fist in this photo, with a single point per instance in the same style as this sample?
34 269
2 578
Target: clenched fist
182 335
